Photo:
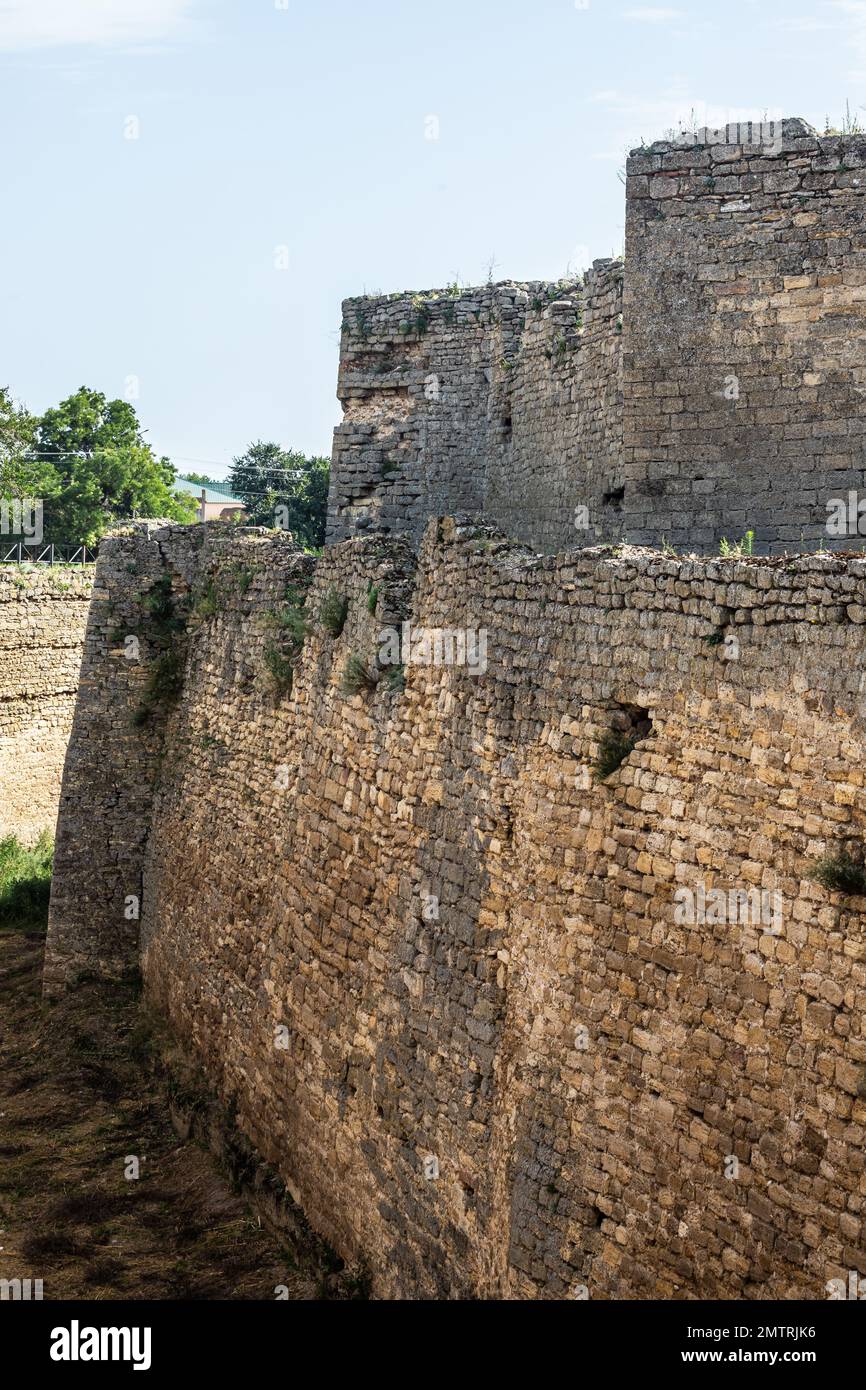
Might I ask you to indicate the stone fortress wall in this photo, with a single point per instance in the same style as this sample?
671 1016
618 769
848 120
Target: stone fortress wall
434 961
745 353
43 616
711 384
505 401
431 949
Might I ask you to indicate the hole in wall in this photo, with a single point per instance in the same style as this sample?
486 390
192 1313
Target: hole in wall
505 817
629 725
632 720
614 498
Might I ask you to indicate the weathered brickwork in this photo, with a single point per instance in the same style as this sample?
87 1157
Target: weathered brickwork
709 386
505 400
745 358
563 407
43 615
405 924
106 799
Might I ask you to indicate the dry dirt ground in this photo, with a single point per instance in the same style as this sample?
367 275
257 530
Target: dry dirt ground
82 1088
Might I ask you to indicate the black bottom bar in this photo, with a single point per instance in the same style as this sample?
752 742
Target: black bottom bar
258 1339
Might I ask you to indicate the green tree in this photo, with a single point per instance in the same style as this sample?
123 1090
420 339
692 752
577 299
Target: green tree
21 473
201 478
106 471
86 422
281 487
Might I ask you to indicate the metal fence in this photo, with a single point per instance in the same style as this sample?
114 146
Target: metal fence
20 553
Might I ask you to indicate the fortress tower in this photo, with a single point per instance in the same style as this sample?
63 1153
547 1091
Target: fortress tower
710 385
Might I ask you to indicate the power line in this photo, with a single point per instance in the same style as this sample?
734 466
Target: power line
181 458
231 497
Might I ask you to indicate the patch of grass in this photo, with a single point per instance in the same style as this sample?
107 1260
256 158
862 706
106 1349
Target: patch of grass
166 623
88 1233
281 655
295 595
207 603
279 667
215 593
395 678
423 313
25 881
613 751
60 1243
560 347
738 549
357 677
164 685
841 874
293 627
333 612
104 1271
166 679
239 578
158 603
85 1208
372 598
850 125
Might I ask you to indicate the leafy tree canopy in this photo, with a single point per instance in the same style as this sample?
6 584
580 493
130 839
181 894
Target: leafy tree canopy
283 488
21 474
89 463
85 423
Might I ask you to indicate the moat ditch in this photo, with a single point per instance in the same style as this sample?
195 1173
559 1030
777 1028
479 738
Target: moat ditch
85 1089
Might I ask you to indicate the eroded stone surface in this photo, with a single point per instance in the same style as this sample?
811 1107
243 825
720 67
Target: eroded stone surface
709 385
470 944
43 615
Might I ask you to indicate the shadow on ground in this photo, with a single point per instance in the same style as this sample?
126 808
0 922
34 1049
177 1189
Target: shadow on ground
83 1089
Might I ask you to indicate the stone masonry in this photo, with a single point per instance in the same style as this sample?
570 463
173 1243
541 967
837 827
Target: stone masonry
434 918
433 956
505 401
745 342
43 615
710 385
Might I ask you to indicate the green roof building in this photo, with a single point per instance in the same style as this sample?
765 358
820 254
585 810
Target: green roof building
216 502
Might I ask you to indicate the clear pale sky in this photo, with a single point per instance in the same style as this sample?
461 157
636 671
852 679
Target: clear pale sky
305 125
